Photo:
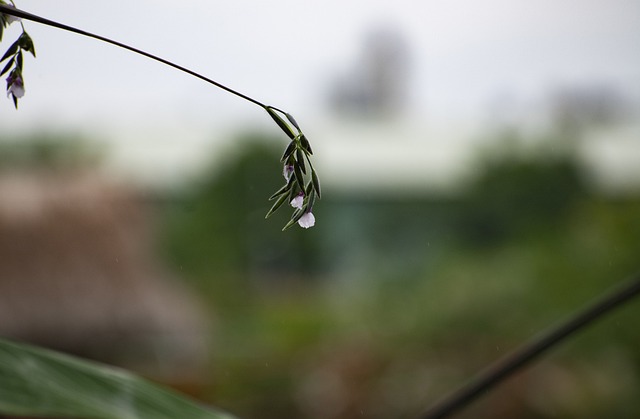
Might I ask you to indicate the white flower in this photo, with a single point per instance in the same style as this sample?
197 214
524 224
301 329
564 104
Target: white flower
287 171
297 201
15 86
307 220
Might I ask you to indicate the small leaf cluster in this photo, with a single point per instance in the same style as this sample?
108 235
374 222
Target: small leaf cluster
14 55
300 175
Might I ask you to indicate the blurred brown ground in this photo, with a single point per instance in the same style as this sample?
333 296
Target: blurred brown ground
78 275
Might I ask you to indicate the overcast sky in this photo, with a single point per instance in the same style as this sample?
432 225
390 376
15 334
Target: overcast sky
466 56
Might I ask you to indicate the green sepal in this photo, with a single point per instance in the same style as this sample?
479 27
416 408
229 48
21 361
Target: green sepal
283 125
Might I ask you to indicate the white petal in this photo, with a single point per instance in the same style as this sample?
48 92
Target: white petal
16 90
297 201
287 171
307 220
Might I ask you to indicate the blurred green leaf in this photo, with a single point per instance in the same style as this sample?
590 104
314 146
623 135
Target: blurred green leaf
40 382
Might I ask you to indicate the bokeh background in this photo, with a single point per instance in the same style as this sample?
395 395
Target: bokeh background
480 164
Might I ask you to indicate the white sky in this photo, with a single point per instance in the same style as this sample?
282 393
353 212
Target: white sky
466 55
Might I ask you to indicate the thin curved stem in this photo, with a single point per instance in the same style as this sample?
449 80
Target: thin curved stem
29 16
519 358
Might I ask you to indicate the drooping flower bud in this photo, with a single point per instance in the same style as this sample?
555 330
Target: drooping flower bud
307 220
15 85
287 171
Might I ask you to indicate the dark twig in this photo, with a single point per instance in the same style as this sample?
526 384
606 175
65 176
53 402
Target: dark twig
29 16
518 359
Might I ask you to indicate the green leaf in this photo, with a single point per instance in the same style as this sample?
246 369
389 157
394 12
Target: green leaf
297 214
11 51
292 120
305 144
39 382
19 61
293 192
288 151
26 43
280 191
278 204
283 125
297 171
300 159
312 199
7 67
316 182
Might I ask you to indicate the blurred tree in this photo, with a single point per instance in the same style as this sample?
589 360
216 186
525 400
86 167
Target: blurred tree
50 151
516 195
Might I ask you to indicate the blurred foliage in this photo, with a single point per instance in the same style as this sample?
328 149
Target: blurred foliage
391 302
520 195
43 150
388 303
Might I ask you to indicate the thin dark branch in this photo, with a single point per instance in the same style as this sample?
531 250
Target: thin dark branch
29 16
518 359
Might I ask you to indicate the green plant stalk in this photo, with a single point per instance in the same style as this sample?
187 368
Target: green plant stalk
513 362
29 16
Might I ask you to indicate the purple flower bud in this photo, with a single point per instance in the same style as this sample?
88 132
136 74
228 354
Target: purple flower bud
287 171
15 86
